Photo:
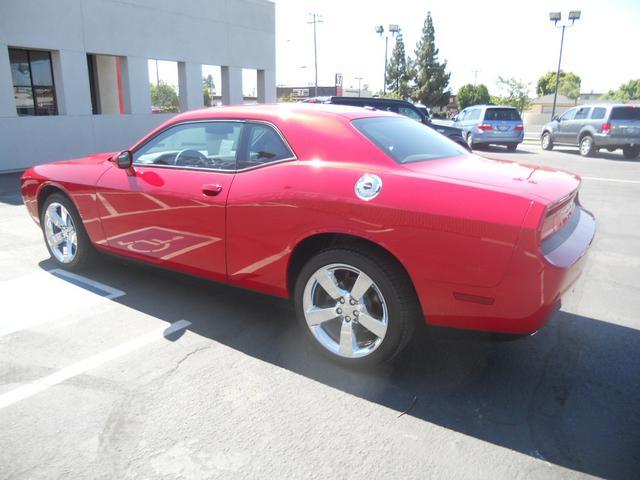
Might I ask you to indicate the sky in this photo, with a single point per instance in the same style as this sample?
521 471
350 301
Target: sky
508 38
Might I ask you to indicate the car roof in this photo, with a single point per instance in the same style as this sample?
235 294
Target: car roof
486 105
280 111
371 99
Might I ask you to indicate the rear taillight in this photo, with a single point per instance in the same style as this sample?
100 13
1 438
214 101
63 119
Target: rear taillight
557 215
485 126
605 128
519 128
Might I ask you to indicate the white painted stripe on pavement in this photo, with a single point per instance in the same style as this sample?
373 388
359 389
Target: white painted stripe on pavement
602 179
90 363
43 297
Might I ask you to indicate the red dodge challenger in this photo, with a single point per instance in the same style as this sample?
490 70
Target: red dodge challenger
368 220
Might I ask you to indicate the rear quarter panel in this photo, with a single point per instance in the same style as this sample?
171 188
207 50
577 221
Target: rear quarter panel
441 231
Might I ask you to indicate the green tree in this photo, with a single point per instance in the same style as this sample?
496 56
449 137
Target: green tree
472 95
625 92
569 84
517 93
165 97
431 76
208 90
399 71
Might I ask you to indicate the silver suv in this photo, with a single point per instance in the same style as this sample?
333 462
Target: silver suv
592 127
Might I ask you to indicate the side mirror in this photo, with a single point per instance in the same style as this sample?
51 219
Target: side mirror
556 119
124 159
454 118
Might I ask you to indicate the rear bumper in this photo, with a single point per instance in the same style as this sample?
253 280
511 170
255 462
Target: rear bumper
497 138
602 140
530 292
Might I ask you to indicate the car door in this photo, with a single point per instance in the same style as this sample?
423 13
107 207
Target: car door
573 127
259 209
562 135
169 208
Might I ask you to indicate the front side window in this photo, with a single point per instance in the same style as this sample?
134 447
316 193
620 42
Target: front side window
568 115
264 146
407 141
582 113
33 87
210 145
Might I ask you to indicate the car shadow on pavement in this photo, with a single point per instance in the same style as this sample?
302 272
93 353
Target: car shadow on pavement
10 188
569 394
498 149
603 154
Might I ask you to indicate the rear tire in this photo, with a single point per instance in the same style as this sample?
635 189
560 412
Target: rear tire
587 147
335 282
470 144
512 147
630 152
546 142
64 234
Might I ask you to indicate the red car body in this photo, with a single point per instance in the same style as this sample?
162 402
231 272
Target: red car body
487 245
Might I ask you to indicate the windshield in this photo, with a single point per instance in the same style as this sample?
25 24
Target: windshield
406 140
502 114
625 113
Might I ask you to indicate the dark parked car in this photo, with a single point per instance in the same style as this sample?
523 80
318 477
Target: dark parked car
592 127
403 108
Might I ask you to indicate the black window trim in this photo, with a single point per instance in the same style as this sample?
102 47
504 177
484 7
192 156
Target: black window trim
33 86
241 146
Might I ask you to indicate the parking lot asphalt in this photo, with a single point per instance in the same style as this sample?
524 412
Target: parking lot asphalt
128 372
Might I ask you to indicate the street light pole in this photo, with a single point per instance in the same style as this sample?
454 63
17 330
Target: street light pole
359 80
316 20
555 17
393 29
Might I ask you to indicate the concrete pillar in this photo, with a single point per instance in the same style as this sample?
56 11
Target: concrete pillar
7 101
231 85
71 78
266 86
135 85
107 78
190 86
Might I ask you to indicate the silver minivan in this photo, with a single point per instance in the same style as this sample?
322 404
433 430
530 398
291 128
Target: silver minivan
490 125
592 127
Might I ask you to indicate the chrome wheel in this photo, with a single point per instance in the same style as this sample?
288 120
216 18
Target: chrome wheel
586 146
60 232
345 310
546 139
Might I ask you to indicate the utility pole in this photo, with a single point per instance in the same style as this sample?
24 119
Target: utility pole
475 77
359 80
316 19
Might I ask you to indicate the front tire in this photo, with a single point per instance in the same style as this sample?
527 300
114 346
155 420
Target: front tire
587 147
356 305
630 153
546 142
64 234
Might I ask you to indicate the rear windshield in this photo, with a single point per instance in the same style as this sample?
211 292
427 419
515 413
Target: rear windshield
625 113
406 140
502 114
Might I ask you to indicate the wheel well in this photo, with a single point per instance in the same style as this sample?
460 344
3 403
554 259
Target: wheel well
316 243
584 134
44 193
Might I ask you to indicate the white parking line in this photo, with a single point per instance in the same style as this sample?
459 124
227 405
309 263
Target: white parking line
602 179
95 361
58 293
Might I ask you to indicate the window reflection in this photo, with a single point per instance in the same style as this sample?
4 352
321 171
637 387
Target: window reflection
33 87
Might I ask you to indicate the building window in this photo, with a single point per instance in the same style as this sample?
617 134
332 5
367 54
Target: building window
33 87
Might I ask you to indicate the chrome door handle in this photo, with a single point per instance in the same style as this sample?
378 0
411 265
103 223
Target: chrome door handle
212 189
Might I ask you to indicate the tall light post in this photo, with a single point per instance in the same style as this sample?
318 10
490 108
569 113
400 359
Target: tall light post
393 29
359 80
315 20
555 17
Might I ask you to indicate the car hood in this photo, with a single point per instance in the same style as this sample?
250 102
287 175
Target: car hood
533 181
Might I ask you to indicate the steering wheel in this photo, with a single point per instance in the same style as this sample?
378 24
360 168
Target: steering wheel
192 158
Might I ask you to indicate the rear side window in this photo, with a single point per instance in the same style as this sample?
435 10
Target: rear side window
598 113
502 114
582 113
473 115
409 112
407 141
625 113
264 146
